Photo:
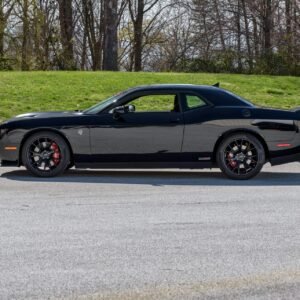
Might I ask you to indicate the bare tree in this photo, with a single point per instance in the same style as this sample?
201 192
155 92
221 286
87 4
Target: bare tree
6 8
110 49
93 31
267 26
250 36
247 35
67 29
137 10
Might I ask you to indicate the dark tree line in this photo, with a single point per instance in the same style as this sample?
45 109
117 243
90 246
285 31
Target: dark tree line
238 36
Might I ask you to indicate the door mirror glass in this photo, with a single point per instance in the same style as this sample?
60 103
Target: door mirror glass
131 108
123 109
118 110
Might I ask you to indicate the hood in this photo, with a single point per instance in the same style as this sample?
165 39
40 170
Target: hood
45 115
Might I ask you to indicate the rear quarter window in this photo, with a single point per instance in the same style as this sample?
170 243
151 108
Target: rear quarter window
193 101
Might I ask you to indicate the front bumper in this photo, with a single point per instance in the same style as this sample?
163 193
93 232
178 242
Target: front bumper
6 163
9 151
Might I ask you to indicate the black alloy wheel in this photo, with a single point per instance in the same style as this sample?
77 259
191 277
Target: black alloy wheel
241 156
46 154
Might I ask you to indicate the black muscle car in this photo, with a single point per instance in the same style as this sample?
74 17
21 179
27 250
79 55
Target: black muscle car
159 126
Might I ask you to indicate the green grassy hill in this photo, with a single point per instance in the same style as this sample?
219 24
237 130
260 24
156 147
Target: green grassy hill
44 91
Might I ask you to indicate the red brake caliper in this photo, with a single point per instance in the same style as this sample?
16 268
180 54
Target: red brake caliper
232 162
56 155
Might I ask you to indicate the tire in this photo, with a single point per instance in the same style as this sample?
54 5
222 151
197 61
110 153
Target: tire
241 156
46 154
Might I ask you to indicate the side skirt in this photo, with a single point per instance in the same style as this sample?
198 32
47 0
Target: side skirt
147 165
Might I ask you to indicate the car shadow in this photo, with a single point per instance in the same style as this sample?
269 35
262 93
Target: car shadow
158 178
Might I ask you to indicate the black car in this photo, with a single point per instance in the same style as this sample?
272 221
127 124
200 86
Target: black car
159 126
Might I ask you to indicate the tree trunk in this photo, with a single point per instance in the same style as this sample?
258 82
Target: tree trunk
138 37
267 28
99 42
66 27
89 36
25 35
238 23
110 50
247 32
84 52
93 37
216 4
255 38
288 31
2 28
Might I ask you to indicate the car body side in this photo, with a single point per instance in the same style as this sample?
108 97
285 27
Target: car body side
191 138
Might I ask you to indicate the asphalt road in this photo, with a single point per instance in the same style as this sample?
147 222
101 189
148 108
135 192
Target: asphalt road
150 235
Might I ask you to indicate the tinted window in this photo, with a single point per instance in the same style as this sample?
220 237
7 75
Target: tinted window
155 103
193 101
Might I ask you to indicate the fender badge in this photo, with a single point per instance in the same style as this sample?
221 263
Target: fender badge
80 132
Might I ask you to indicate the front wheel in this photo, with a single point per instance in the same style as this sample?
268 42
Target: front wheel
241 156
46 154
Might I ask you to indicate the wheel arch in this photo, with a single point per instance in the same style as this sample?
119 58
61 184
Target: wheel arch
37 130
240 131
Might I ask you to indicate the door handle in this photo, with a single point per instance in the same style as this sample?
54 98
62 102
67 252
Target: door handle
176 120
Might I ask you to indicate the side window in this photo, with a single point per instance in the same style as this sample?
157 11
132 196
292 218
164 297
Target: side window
156 103
193 101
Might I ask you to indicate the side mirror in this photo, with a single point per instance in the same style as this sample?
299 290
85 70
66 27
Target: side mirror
123 109
120 110
130 108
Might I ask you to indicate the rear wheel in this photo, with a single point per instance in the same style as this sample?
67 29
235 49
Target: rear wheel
46 154
241 156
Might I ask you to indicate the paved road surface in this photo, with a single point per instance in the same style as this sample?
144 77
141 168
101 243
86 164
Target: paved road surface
150 235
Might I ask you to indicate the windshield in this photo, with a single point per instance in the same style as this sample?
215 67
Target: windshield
102 105
105 103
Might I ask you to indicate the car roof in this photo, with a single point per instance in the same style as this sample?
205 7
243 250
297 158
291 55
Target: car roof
214 94
172 86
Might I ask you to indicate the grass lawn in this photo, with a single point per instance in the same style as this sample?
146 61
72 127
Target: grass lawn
44 91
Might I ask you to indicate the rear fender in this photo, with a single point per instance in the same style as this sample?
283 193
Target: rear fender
237 131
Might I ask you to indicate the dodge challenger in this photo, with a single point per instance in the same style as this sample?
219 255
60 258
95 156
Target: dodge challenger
158 126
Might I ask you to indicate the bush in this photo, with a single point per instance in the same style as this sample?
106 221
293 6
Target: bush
227 62
6 64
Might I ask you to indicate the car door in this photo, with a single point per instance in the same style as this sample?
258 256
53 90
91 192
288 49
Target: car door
153 132
200 132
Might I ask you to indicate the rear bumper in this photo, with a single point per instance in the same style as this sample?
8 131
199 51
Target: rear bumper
285 159
285 156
